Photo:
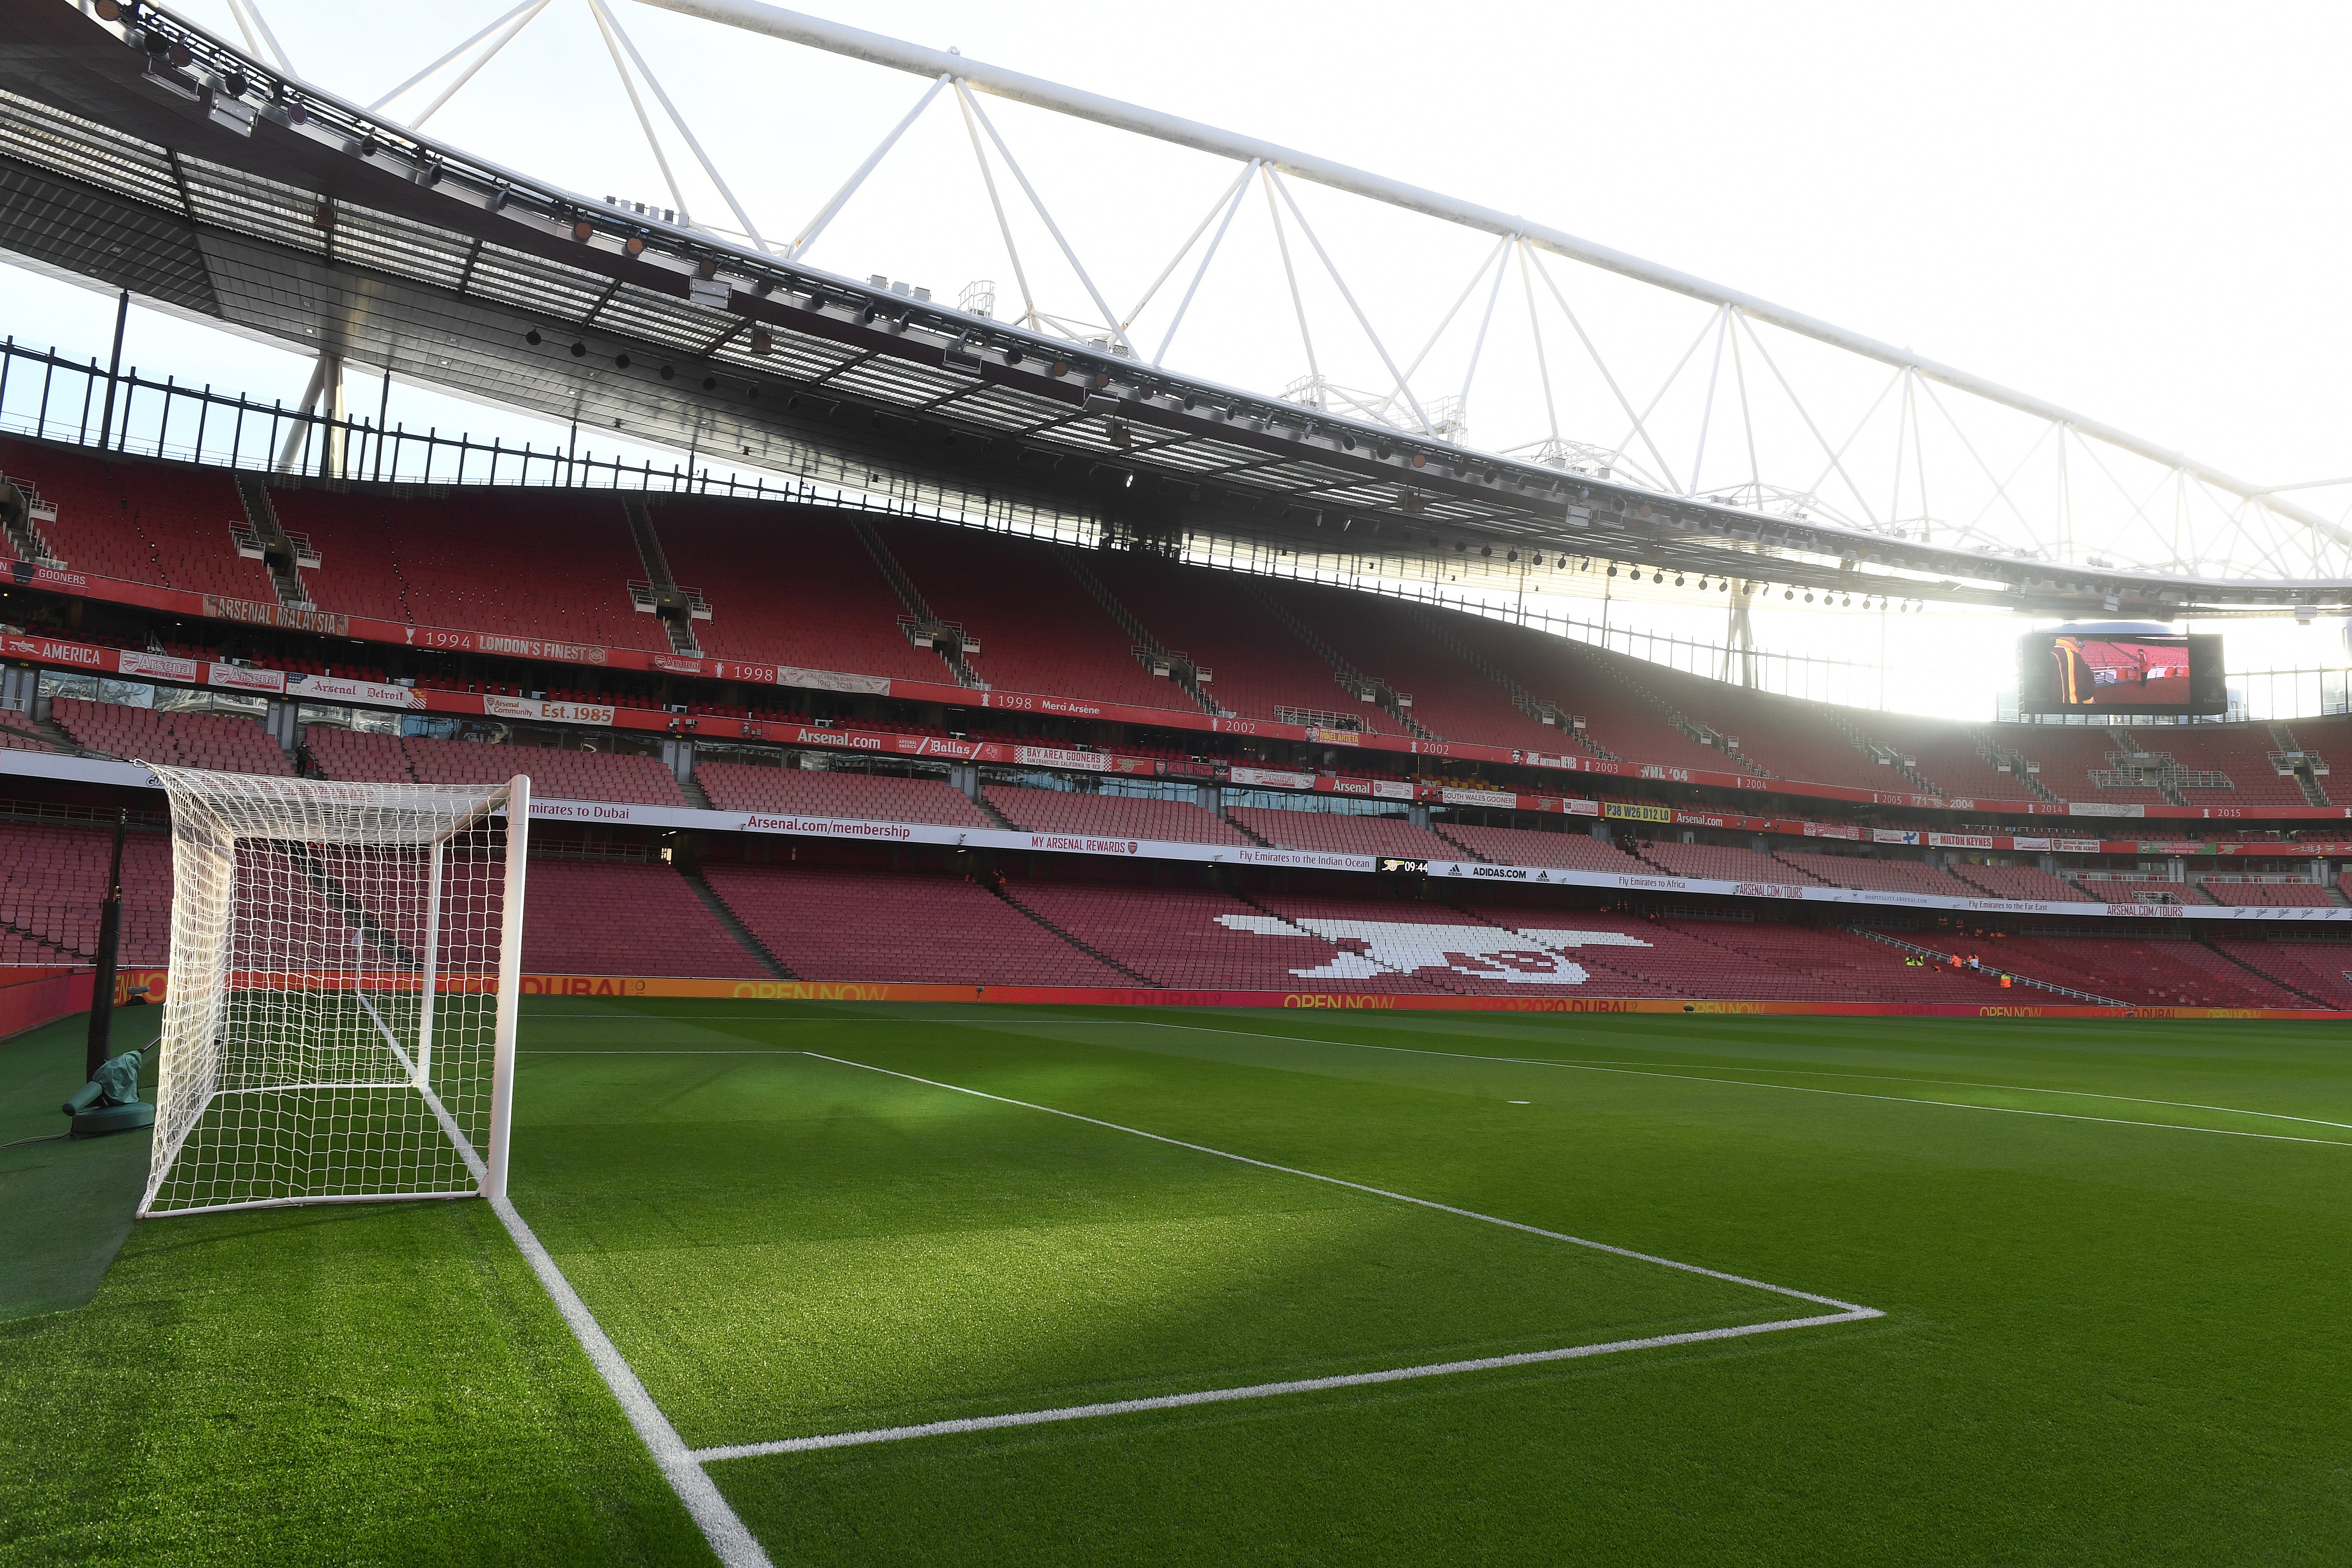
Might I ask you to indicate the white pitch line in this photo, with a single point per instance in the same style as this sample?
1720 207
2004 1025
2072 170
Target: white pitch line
1843 1307
1258 1390
1791 1088
733 1542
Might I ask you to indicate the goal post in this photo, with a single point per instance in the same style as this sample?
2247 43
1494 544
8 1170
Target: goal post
345 970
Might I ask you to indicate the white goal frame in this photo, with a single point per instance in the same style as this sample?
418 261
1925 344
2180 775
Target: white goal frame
340 1007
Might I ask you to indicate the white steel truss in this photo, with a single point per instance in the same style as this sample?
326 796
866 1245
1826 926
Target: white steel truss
1839 428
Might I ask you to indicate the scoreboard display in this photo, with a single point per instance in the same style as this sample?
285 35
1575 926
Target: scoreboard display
2122 667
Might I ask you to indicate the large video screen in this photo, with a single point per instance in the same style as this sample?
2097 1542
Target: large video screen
2120 667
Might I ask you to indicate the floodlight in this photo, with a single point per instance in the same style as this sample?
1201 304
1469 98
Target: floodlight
669 372
579 351
621 362
532 338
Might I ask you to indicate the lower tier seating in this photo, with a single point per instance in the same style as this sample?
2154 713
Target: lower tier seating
1721 863
825 923
554 774
2271 895
2031 883
590 917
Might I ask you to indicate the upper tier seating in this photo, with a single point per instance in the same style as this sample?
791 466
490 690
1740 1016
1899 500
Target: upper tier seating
2029 883
1387 639
1943 753
2270 895
160 524
2069 753
526 564
1255 663
1588 683
791 585
1880 876
217 740
832 924
1531 847
1109 816
53 882
1791 738
1721 863
2240 751
1039 629
589 917
859 797
1341 832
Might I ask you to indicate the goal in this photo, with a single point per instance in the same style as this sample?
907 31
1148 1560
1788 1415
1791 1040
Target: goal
339 1019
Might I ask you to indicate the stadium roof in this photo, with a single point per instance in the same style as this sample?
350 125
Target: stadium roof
151 156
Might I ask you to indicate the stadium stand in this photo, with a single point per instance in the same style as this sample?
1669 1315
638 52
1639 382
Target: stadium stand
1666 958
1109 815
2240 751
2321 970
2031 883
2141 971
790 586
1881 876
2142 890
54 881
830 923
1721 863
547 566
1531 847
177 738
859 797
1587 683
1387 639
1258 665
18 734
1440 948
1341 833
1193 939
1859 966
1039 629
589 917
1945 755
142 522
554 774
2069 755
1787 737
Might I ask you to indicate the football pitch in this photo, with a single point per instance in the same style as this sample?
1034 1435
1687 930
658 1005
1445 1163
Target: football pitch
927 1285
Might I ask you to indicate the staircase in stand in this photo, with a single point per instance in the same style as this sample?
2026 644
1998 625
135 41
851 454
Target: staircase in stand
1149 652
1357 684
265 539
2306 768
659 593
2012 763
734 927
21 512
921 628
1877 751
1094 952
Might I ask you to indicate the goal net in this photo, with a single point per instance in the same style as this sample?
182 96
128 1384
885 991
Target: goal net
340 1015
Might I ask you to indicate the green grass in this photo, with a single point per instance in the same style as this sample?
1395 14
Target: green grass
2104 1342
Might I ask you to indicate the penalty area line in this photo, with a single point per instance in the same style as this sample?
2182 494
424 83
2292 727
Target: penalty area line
1259 1390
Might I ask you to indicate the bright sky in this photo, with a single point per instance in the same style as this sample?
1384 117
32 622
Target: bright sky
2130 210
